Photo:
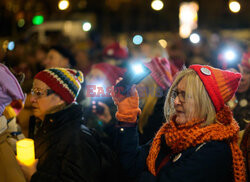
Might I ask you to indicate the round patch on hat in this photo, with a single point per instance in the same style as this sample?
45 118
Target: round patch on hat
206 71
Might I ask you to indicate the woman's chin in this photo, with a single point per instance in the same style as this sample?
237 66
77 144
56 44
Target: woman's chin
180 119
37 114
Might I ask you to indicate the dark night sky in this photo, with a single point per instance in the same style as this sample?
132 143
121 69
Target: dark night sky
126 16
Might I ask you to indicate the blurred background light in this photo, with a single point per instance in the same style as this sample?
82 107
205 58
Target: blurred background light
21 22
185 31
157 5
188 18
137 39
11 45
86 26
194 38
229 55
63 4
163 43
234 6
37 20
137 68
5 44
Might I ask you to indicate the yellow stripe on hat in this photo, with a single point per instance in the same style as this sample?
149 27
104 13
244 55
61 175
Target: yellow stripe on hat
69 75
61 82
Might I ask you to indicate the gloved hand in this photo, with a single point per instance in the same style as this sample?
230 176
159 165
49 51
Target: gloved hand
127 106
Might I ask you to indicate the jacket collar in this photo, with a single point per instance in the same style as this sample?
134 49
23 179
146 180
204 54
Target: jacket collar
70 113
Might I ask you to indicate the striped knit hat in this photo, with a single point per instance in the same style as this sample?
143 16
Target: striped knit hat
161 72
63 81
221 85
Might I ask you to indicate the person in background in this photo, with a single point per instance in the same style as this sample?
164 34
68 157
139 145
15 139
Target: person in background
65 148
152 91
100 110
198 142
245 147
10 92
40 55
242 109
83 61
59 56
115 54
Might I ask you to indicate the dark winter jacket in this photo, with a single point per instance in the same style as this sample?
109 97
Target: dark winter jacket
66 149
155 121
208 162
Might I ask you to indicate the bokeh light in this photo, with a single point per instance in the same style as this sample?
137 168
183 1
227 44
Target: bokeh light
11 46
157 5
86 26
63 4
194 38
234 6
184 31
163 43
137 39
188 16
21 22
37 20
229 55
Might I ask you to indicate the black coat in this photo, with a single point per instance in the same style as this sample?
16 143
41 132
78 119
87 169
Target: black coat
66 149
155 121
209 162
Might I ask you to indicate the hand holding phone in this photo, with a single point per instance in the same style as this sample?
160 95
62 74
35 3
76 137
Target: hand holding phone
102 111
134 75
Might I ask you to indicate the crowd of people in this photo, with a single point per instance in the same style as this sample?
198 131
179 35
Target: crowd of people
182 122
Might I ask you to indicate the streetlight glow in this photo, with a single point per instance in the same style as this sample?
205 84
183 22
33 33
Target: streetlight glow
86 26
194 38
234 6
157 5
63 4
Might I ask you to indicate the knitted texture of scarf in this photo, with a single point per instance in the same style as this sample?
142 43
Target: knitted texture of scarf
181 137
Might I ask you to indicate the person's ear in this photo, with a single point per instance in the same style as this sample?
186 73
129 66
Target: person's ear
58 99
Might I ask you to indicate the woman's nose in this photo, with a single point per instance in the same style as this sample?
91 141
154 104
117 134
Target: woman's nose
32 98
177 100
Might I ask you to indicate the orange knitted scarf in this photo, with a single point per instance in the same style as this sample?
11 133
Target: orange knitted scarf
181 137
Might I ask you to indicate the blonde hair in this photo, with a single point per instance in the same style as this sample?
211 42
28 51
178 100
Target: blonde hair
195 89
148 101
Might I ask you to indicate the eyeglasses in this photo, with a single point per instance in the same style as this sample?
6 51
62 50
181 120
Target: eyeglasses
180 94
38 93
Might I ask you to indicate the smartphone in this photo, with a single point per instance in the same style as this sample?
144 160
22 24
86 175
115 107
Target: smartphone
99 109
134 75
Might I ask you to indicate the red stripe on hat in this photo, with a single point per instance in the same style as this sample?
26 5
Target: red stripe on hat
55 85
209 81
